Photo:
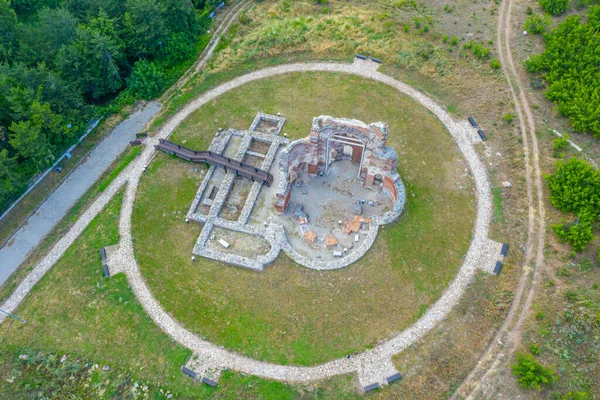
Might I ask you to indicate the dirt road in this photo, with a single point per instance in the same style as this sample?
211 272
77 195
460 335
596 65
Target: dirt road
498 355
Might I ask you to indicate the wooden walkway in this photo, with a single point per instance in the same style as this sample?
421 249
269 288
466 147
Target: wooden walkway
219 160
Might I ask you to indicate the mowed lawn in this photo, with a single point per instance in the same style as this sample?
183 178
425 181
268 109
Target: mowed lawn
74 310
288 313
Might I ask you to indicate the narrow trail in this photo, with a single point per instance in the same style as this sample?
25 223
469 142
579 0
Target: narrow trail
507 339
207 52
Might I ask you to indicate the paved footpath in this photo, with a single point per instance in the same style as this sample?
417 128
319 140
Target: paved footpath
56 206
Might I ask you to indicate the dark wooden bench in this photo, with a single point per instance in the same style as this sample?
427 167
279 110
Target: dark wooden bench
106 271
209 382
394 377
473 123
135 142
498 268
361 56
377 60
482 135
103 255
504 249
141 135
189 372
371 387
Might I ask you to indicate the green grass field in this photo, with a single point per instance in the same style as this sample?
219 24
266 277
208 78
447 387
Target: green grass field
289 314
74 311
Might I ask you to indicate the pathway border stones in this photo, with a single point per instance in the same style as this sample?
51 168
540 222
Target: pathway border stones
371 366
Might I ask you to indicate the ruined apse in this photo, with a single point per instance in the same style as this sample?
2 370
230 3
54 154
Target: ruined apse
332 139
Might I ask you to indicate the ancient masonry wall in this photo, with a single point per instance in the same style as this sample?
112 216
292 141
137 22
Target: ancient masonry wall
381 161
328 138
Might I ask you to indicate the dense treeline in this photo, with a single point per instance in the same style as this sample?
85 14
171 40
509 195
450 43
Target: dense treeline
61 61
571 68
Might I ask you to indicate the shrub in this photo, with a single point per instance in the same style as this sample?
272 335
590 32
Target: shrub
532 374
580 4
575 187
578 234
244 19
445 38
179 48
577 396
146 80
454 41
570 67
509 118
495 63
534 348
480 52
555 7
537 23
560 142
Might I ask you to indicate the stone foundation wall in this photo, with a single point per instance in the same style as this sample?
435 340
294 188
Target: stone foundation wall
379 160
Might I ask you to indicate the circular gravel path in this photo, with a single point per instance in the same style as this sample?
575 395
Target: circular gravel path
372 365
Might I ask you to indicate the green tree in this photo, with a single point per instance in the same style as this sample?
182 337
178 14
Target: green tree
537 23
93 61
532 374
53 29
8 30
85 10
10 184
555 7
144 29
575 187
569 64
146 80
179 47
180 17
578 234
29 137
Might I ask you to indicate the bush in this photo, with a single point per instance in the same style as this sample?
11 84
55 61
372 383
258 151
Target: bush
577 396
179 48
480 52
555 7
575 187
537 23
454 41
146 80
578 234
244 19
560 142
509 118
495 63
532 374
570 67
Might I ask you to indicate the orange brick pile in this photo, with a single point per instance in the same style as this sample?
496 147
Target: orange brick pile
355 225
331 241
310 236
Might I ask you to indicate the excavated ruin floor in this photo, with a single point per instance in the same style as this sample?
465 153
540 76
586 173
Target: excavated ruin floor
327 200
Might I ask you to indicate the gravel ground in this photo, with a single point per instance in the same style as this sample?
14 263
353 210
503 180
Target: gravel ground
372 365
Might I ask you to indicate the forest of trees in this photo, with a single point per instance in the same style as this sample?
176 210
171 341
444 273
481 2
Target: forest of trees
571 67
62 62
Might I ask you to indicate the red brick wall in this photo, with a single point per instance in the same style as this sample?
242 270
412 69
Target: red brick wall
388 184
